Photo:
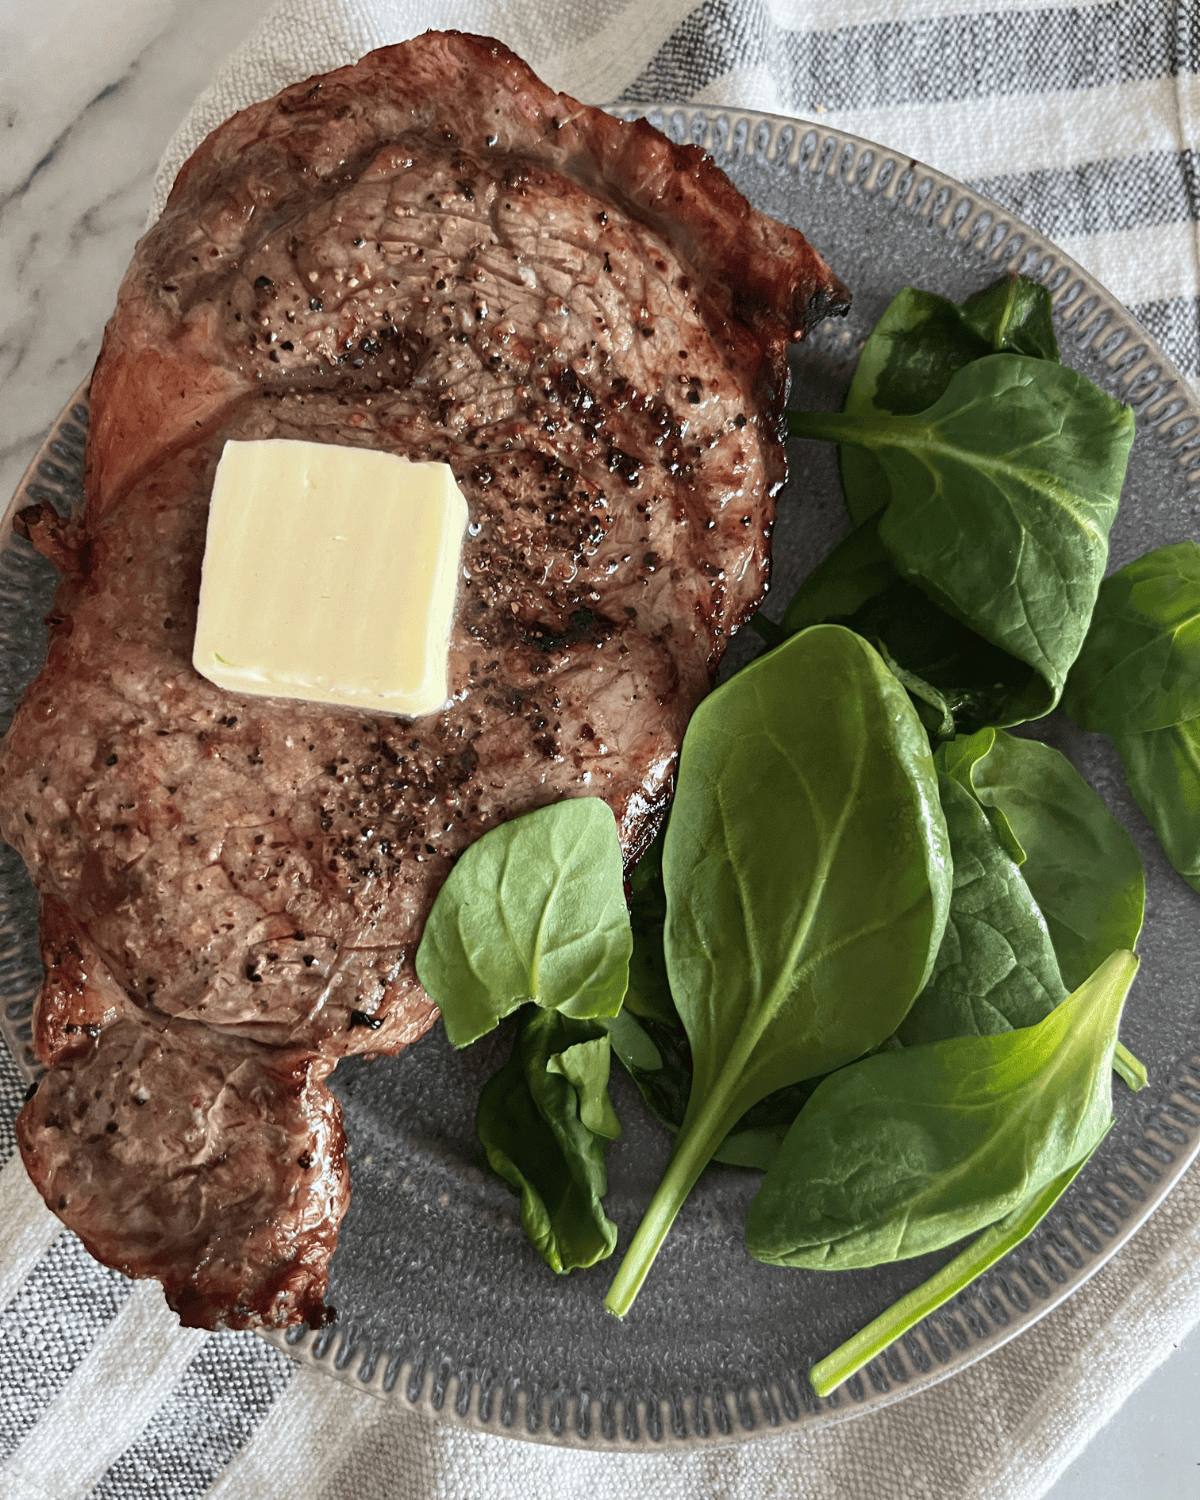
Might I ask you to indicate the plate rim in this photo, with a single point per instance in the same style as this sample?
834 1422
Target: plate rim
1163 399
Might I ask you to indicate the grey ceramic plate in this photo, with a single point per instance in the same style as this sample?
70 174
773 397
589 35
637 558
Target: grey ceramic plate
441 1300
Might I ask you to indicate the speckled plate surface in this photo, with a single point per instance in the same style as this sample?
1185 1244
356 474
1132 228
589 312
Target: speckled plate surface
441 1300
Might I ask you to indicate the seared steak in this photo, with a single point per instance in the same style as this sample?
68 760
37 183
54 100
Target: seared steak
140 1131
431 253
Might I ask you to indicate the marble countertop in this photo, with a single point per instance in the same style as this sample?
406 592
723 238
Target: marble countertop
90 95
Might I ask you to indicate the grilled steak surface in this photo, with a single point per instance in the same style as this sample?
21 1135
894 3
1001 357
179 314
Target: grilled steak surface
429 253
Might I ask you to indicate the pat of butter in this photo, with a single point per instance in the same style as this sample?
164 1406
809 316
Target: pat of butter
330 574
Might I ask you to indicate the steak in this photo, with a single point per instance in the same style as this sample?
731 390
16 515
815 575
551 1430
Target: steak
429 253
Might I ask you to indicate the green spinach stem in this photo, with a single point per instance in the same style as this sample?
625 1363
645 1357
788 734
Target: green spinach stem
842 427
693 1152
1131 1069
694 1147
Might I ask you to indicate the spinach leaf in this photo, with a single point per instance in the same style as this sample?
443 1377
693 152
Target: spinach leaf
1163 771
585 1067
646 1033
648 1036
1080 865
807 876
964 758
855 574
533 910
954 1277
908 1151
649 1039
1139 668
915 349
1002 496
996 968
932 707
543 1120
1014 314
755 1138
1138 679
658 1057
858 586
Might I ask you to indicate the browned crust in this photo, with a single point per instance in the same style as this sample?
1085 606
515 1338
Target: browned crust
776 285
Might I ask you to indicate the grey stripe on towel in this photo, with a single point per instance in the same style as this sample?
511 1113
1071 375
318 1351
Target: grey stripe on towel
1102 197
224 1394
12 1094
929 61
47 1329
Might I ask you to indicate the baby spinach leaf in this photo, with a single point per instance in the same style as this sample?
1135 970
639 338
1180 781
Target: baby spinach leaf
807 876
1014 314
963 758
1139 668
858 586
915 349
856 573
755 1138
1163 771
996 968
648 1036
913 352
641 1054
651 1044
656 1055
1002 496
585 1067
1080 865
908 1151
931 704
543 1120
1138 679
653 1047
533 910
646 1033
979 1256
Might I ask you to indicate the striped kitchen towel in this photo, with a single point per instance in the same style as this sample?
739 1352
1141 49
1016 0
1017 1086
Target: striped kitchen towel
103 1395
1080 118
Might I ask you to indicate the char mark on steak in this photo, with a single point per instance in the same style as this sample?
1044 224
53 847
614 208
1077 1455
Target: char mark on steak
433 254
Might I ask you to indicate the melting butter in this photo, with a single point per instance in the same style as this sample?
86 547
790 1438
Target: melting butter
330 574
